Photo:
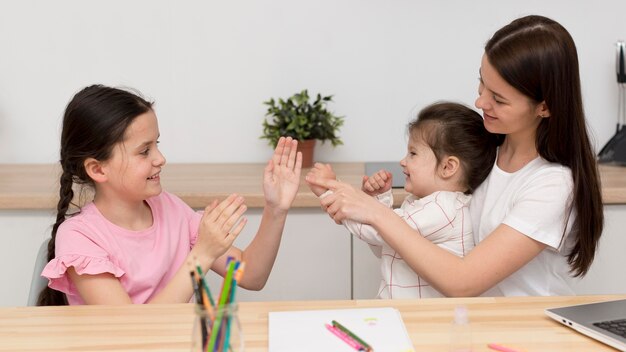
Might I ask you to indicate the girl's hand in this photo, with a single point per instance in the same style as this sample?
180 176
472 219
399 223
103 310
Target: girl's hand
347 202
220 225
378 183
281 178
321 171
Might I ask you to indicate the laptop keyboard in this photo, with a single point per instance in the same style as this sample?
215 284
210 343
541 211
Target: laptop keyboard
618 327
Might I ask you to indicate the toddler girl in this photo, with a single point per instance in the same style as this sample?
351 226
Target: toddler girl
448 155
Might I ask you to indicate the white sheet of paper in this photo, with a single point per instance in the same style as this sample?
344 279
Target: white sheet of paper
303 331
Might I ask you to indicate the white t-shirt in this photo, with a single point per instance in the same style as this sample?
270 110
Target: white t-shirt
536 201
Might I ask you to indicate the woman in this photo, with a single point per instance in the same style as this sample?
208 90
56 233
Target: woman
537 218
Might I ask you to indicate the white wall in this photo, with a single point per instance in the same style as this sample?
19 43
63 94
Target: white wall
210 64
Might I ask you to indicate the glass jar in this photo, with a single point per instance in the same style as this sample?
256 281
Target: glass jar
461 333
217 330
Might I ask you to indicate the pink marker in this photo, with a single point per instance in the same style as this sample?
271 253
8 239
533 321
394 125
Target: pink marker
347 339
501 348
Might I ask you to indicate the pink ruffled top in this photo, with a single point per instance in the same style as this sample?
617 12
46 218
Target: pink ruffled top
144 261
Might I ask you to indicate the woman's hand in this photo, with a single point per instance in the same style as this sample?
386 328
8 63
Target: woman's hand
219 227
378 183
281 178
347 202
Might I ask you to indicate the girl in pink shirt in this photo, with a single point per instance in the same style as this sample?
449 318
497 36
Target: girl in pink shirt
132 242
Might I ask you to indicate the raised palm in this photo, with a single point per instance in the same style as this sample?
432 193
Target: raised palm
281 178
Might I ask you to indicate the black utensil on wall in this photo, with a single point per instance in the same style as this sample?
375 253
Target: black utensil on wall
614 152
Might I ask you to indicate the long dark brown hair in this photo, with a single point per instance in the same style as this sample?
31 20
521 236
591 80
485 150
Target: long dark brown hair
94 121
456 130
537 56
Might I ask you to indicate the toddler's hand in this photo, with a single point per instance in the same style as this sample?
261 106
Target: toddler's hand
321 171
220 225
378 183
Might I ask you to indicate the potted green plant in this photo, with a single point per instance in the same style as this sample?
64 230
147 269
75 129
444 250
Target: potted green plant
301 119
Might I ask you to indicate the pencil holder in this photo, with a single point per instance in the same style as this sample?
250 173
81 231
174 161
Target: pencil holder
217 329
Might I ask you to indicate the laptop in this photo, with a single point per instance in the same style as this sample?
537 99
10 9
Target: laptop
603 321
391 166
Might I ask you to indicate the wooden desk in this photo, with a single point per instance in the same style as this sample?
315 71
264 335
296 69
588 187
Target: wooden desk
514 322
28 186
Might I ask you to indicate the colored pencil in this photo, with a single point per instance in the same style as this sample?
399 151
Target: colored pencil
220 310
365 345
198 295
206 287
239 266
345 338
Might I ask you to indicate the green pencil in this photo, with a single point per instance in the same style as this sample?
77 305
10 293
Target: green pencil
228 280
365 345
206 287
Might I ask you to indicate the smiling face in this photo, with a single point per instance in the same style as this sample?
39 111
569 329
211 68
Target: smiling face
505 109
134 167
420 167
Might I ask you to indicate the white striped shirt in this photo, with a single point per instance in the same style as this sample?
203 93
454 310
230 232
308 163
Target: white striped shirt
441 217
